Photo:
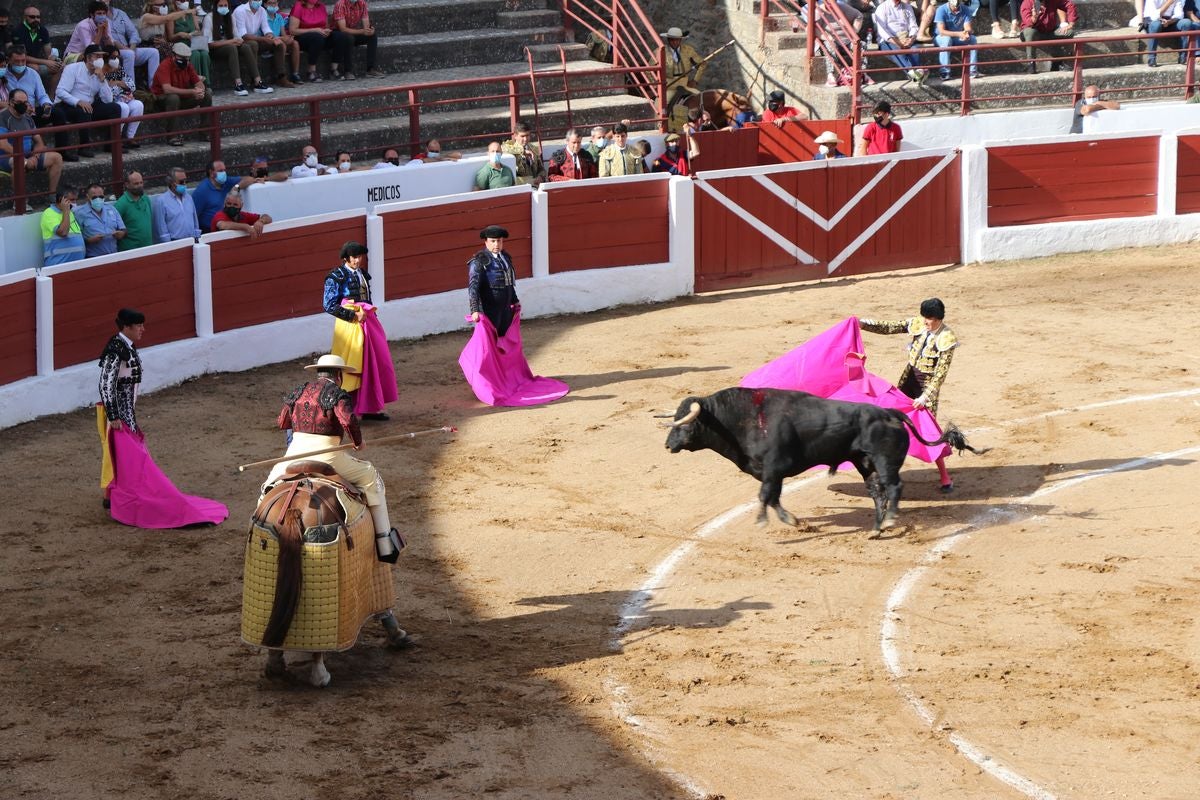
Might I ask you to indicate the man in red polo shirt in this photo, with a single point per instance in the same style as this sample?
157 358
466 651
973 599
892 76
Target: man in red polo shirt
176 85
881 136
778 113
232 218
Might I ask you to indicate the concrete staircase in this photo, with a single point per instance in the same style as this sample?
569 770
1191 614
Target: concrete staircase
421 41
1115 64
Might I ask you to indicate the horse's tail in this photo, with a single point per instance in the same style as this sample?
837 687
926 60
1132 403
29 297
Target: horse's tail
287 580
952 435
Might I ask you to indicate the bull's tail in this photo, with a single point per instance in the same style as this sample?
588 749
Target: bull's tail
951 436
287 579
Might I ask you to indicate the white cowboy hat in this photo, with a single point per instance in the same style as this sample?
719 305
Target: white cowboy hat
675 33
828 137
330 361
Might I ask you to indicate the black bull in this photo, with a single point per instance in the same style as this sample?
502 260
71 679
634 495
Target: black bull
774 434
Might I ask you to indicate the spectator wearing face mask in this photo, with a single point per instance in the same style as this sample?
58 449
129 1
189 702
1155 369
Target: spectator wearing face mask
310 166
83 96
174 212
231 217
344 162
121 84
125 35
187 24
779 113
353 28
20 76
135 211
15 118
239 54
495 174
883 135
572 163
277 23
260 171
827 146
953 25
1087 109
673 161
388 160
91 30
598 141
101 225
619 158
251 26
209 195
177 85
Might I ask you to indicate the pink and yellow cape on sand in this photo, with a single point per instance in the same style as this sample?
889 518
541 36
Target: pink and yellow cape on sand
140 494
365 348
831 365
498 372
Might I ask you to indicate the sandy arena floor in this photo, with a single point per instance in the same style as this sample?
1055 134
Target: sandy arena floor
1042 638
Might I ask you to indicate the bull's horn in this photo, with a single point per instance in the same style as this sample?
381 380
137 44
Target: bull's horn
691 415
665 416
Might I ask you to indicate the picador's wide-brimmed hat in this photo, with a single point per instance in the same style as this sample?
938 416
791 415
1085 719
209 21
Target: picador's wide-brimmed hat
828 137
331 361
674 33
493 232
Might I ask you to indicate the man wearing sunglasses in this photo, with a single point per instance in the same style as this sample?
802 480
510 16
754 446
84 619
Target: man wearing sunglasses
35 37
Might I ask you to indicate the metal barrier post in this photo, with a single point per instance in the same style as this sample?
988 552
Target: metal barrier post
965 103
1077 70
118 156
414 124
662 89
314 124
514 106
214 135
18 174
1189 73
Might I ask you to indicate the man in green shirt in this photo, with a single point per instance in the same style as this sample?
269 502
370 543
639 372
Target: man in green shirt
494 174
134 208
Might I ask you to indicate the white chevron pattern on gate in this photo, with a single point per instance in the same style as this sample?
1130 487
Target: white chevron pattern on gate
761 177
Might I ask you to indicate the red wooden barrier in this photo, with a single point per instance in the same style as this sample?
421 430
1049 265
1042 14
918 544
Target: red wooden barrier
428 247
1072 180
86 301
609 223
279 275
1187 176
759 145
804 223
726 149
18 330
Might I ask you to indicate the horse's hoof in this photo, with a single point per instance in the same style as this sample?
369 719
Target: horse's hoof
887 524
401 642
276 667
319 677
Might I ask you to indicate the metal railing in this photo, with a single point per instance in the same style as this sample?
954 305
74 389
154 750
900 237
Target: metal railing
216 123
633 38
1049 51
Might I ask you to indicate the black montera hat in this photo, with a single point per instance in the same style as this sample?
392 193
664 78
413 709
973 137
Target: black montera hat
493 232
933 308
129 316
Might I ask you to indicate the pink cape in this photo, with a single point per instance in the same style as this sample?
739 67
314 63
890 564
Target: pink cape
828 365
498 372
142 496
378 373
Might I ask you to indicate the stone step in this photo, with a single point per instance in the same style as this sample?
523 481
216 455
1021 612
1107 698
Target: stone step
539 18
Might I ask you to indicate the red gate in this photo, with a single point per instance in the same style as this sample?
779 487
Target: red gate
794 222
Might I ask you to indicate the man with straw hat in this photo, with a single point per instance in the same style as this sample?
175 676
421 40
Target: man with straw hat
827 144
684 67
318 415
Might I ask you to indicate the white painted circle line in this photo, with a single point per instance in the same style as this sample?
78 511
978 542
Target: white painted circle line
630 612
889 629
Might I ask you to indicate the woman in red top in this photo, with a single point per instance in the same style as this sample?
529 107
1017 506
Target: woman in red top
309 24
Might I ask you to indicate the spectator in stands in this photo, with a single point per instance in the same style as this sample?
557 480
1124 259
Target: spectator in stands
643 149
309 23
17 117
883 135
120 83
92 29
673 160
344 162
310 165
836 41
618 158
83 96
1087 109
495 174
779 113
176 86
187 24
135 211
35 38
260 170
251 26
1164 18
528 155
174 212
278 25
1042 20
1014 11
101 225
239 55
5 31
209 195
433 154
598 142
953 21
390 159
827 146
133 55
574 162
353 28
897 26
62 239
20 76
232 218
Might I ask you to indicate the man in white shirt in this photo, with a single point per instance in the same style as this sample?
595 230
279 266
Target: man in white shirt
310 167
83 96
250 24
390 159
